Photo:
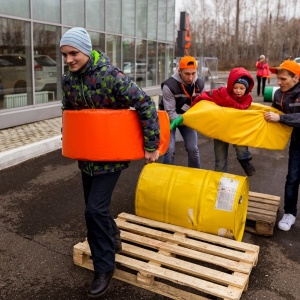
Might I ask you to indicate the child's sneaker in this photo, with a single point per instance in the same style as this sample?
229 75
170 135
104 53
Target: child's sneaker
286 222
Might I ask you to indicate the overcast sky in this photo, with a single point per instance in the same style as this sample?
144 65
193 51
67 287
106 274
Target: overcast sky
178 9
292 7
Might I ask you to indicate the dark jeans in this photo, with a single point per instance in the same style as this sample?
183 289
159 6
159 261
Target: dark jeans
260 80
221 154
292 180
100 225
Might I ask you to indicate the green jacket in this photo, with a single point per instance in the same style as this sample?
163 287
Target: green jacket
102 85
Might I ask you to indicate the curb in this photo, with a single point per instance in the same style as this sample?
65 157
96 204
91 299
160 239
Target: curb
18 155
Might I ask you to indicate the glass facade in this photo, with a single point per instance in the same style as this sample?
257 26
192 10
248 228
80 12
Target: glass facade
96 12
142 15
137 35
45 10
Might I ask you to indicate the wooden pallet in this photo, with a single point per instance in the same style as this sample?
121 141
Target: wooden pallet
177 262
262 213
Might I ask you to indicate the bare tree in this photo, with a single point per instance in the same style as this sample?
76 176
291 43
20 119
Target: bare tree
238 35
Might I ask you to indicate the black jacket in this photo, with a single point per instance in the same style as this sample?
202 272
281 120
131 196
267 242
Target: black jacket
179 94
289 103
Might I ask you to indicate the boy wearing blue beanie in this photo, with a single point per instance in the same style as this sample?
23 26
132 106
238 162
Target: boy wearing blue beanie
92 82
78 38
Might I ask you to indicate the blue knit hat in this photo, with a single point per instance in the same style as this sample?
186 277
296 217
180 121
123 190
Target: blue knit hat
78 38
244 81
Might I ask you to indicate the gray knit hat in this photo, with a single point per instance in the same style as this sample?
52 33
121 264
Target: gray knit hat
78 38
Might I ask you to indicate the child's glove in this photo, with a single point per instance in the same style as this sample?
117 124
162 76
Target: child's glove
176 122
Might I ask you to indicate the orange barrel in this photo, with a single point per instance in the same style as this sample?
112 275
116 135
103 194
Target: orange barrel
108 134
203 200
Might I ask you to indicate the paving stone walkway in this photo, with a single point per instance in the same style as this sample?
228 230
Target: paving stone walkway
18 136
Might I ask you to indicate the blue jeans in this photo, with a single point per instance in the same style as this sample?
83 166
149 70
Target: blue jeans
190 138
101 227
221 154
292 180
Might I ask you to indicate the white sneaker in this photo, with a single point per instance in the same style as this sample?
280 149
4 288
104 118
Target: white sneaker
286 222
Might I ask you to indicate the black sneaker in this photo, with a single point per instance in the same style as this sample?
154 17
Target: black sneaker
247 166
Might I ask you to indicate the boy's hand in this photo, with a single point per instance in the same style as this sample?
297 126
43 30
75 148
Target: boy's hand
151 157
272 117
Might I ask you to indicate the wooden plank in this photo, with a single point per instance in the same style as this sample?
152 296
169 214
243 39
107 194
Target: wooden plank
146 278
158 287
190 243
264 196
267 201
217 259
182 279
185 266
261 228
262 212
259 217
264 228
214 239
272 209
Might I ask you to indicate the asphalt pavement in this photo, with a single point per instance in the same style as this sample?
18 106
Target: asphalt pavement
42 218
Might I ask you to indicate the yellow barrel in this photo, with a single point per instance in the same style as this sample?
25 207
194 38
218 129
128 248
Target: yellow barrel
203 200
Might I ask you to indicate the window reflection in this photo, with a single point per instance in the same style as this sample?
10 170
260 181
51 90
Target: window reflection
15 8
169 60
170 21
31 74
141 65
47 63
113 46
162 18
73 12
152 20
128 17
96 14
162 66
46 10
113 16
98 41
128 57
141 18
152 63
15 64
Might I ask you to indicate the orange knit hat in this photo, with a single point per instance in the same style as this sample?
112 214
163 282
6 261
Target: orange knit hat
289 65
188 62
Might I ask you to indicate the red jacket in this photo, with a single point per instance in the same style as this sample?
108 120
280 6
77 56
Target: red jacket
262 69
224 96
